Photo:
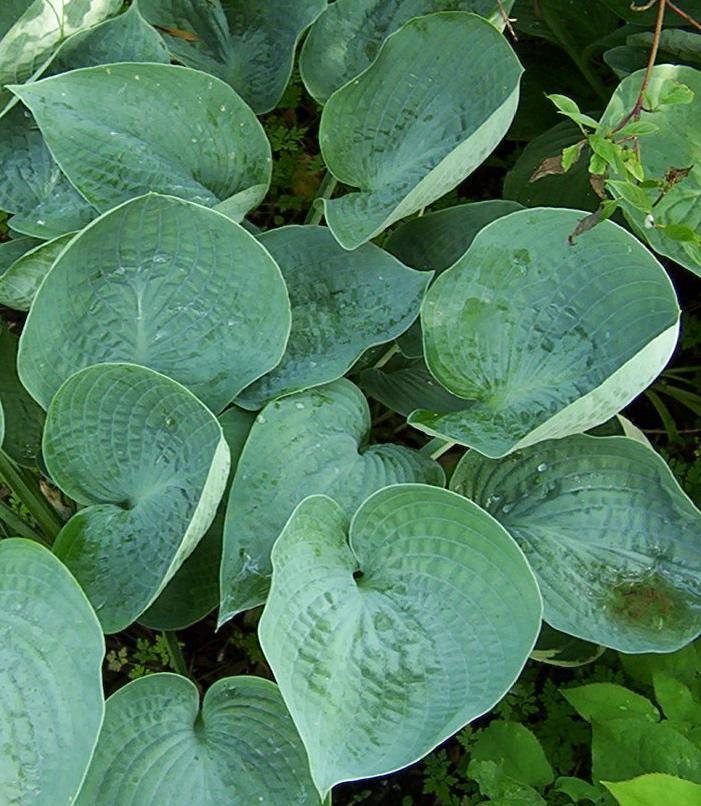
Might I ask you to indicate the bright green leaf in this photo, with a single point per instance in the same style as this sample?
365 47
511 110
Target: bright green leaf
600 702
653 789
396 649
518 751
631 193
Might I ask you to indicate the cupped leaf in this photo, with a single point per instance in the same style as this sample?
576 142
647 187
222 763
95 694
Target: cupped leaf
342 304
194 590
33 188
120 130
308 443
389 634
148 462
20 283
163 283
51 651
404 134
347 37
674 146
248 43
157 746
653 789
435 241
608 532
41 27
543 338
24 419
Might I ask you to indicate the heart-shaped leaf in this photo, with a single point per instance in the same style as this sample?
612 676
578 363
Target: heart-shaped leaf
156 746
51 651
24 419
194 590
389 634
32 186
308 443
163 283
346 38
342 304
40 28
609 533
121 130
20 283
149 463
674 146
403 134
250 44
543 338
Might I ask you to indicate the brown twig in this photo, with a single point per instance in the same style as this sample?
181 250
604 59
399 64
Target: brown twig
507 20
634 113
675 8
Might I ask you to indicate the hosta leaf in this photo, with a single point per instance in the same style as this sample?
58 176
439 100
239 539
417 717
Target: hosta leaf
163 283
609 533
149 463
342 304
51 650
19 284
120 130
24 419
32 186
247 43
348 36
194 590
624 9
40 28
405 385
559 649
653 789
403 134
158 747
10 251
126 38
308 443
389 634
435 241
543 338
674 145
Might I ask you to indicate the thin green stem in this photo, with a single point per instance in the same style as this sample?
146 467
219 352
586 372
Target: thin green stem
391 351
18 527
26 488
436 447
325 191
177 659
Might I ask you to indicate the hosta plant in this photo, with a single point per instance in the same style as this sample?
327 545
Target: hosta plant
191 393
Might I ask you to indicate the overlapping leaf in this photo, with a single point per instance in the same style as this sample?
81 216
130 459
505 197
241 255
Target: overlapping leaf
403 134
157 746
51 651
163 283
342 304
348 35
120 130
608 532
247 43
543 338
307 443
40 27
674 146
19 284
389 634
194 590
149 463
